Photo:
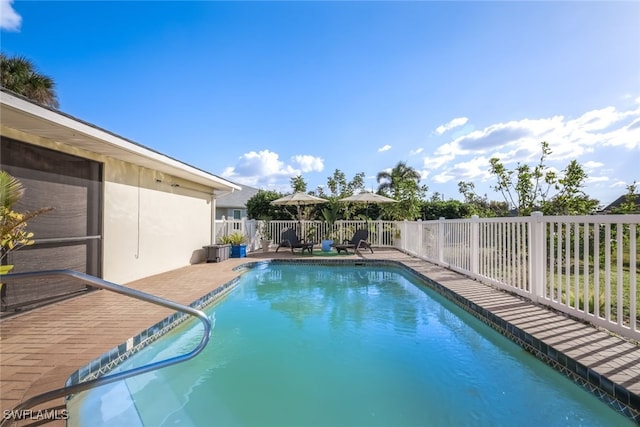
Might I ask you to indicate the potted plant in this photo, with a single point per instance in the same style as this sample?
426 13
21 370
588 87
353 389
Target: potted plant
238 242
13 224
265 235
330 215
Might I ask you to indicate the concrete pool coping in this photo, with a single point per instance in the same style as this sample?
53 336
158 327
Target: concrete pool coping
43 347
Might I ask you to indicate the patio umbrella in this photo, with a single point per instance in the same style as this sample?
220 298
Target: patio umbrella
368 197
298 200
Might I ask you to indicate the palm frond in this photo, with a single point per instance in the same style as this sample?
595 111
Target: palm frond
11 190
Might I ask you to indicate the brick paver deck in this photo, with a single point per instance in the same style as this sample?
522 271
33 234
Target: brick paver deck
41 348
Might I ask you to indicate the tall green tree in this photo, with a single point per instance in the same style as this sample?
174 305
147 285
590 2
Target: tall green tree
524 188
19 75
528 188
570 199
259 206
338 188
630 204
298 184
402 183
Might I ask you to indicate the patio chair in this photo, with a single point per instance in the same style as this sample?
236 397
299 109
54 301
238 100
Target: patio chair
289 239
358 241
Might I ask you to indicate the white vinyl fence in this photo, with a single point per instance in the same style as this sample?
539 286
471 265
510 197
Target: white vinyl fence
381 233
586 266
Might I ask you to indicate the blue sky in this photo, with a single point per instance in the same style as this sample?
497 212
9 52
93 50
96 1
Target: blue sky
258 92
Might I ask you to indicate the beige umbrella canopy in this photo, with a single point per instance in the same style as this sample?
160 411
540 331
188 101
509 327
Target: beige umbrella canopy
299 199
368 197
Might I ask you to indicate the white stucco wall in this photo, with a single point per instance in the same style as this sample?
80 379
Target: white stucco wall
150 224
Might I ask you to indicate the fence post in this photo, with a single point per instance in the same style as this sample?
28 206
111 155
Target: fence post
225 230
475 245
403 236
420 237
441 240
536 264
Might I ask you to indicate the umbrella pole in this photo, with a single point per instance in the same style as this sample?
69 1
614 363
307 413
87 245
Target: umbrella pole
302 233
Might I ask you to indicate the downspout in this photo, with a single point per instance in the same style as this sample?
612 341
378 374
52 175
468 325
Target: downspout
213 219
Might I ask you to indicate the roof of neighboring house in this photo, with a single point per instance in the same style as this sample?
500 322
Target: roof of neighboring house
620 200
237 199
31 118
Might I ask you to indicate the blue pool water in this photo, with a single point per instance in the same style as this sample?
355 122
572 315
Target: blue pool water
301 345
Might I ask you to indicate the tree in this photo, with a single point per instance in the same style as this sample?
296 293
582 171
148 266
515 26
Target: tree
481 206
19 75
449 209
570 199
527 189
259 206
391 182
530 187
402 183
629 206
338 188
298 184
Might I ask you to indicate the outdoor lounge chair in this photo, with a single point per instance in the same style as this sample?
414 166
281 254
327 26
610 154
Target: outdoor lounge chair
289 239
358 241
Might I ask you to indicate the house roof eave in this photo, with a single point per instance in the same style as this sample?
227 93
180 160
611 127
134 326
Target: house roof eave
25 116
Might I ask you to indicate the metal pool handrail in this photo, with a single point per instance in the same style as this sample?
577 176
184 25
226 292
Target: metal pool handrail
103 284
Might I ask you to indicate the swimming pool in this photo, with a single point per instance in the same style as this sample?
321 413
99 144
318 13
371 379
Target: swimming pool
306 345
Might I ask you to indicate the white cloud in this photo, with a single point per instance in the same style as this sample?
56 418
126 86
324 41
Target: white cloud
416 151
437 162
309 163
384 148
9 18
475 169
605 127
598 119
443 178
457 122
519 140
596 179
264 169
521 133
618 183
260 169
592 165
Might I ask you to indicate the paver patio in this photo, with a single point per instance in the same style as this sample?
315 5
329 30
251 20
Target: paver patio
41 348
